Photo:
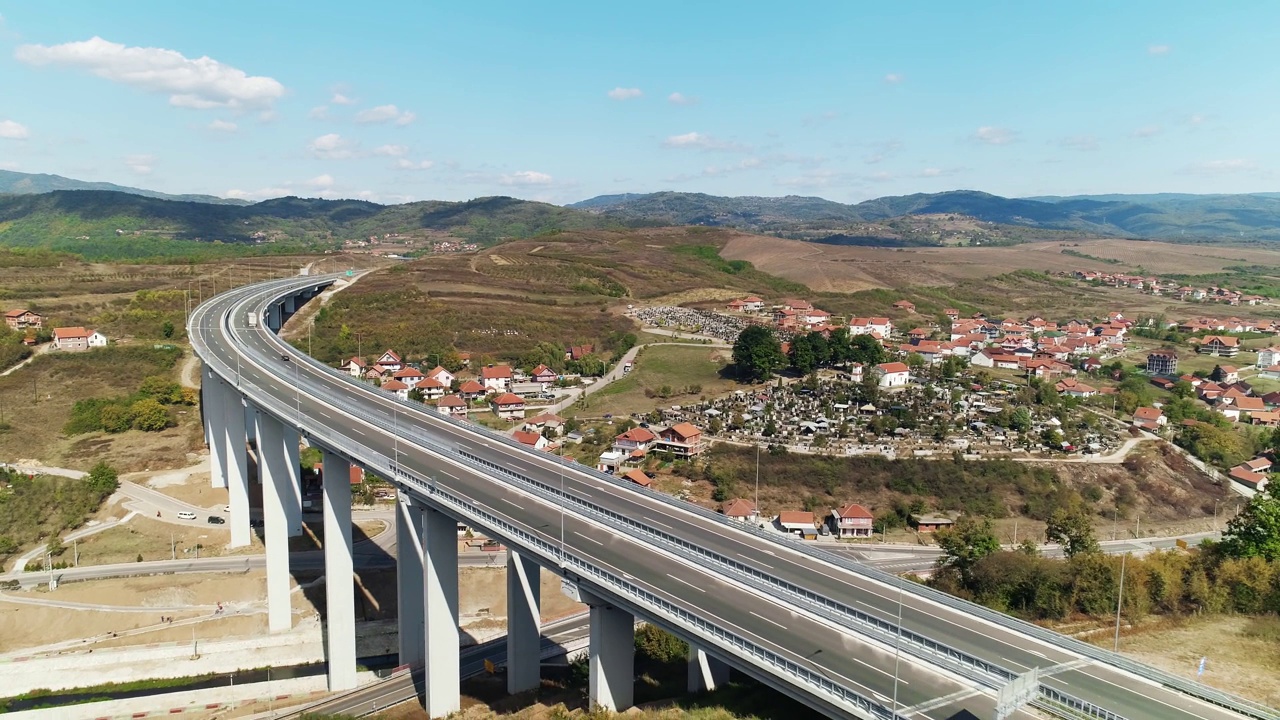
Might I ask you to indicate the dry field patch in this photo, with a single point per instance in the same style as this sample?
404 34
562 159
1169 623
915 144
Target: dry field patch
834 268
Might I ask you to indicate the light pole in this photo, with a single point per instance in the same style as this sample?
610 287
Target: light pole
1119 602
561 468
757 500
897 649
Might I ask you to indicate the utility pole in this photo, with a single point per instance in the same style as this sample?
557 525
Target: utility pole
757 500
1119 603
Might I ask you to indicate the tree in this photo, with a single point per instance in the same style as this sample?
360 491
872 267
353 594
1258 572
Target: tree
802 354
1183 389
417 395
149 415
757 353
167 329
1020 420
915 361
867 350
1073 530
103 478
1255 532
965 543
840 344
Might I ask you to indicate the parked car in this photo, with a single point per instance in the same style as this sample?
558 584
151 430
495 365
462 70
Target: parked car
226 508
217 520
186 515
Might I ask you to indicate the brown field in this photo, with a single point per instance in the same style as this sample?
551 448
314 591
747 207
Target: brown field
832 268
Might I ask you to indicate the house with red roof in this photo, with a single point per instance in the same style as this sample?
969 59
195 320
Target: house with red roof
23 319
852 520
638 477
496 377
508 406
740 510
390 360
470 390
396 387
683 440
354 367
1072 387
796 522
1149 418
531 440
432 389
893 374
444 376
452 405
637 438
410 376
543 374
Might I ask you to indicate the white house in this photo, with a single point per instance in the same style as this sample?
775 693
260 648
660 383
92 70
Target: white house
390 360
97 339
871 325
893 374
444 376
1268 357
496 377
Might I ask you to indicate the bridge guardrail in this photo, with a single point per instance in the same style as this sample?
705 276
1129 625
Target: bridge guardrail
1198 690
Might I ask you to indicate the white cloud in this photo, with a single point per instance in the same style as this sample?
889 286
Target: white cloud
1159 50
525 177
320 112
1222 167
199 83
883 151
223 126
9 165
385 113
701 141
621 93
320 181
259 194
391 150
140 164
817 179
991 135
933 172
340 99
676 98
1147 131
1196 119
403 164
1084 143
10 130
332 147
894 78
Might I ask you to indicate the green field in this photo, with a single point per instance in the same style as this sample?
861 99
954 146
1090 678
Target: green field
663 369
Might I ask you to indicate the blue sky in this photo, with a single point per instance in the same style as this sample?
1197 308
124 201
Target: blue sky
562 101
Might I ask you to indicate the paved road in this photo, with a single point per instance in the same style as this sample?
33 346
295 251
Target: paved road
779 628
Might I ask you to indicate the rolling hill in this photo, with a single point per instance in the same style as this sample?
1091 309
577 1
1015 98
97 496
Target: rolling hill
16 183
113 225
1169 216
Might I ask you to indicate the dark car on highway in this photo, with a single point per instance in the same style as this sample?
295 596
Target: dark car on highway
216 520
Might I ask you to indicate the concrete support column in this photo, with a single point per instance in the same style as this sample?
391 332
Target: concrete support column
524 623
293 462
237 476
273 317
211 397
440 575
706 673
340 606
272 468
291 304
409 582
612 680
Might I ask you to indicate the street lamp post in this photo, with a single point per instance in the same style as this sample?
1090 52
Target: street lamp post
757 500
1119 602
897 650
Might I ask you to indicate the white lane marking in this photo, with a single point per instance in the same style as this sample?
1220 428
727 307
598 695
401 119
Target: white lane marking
769 552
1033 652
753 560
686 582
753 612
357 430
655 522
584 537
1015 663
446 472
519 507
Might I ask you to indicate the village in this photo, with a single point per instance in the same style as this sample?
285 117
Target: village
973 387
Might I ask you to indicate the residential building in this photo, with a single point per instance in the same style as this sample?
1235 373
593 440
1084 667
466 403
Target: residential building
1149 418
577 352
390 360
496 377
97 339
906 305
400 389
410 376
852 520
610 461
796 522
637 438
452 405
879 326
444 376
683 440
508 406
740 510
1072 387
1162 362
1268 357
543 374
355 367
72 339
1219 345
931 523
432 389
546 421
1249 478
23 320
893 374
638 477
470 390
530 440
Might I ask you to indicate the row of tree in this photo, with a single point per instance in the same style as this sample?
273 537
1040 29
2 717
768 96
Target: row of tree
757 353
144 410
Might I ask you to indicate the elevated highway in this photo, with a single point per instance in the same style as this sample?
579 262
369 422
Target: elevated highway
846 639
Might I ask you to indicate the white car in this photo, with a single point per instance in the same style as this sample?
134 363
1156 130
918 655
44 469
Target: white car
226 508
186 515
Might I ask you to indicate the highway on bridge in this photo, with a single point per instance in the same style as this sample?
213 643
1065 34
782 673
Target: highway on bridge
325 398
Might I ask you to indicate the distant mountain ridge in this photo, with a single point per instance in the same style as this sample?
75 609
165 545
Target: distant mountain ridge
17 183
1169 216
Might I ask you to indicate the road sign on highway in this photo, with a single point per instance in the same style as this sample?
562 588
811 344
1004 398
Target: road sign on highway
570 589
1018 692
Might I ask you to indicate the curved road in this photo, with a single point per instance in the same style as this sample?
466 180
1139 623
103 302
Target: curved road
341 406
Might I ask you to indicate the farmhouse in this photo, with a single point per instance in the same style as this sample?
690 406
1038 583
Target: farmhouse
74 339
23 320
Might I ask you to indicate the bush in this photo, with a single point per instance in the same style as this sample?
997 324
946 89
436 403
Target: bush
661 646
